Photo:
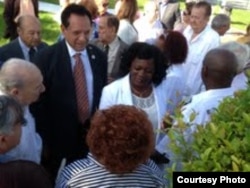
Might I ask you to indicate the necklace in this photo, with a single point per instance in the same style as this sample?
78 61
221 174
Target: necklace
144 93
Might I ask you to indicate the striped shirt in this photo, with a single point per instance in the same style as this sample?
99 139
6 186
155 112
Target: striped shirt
90 173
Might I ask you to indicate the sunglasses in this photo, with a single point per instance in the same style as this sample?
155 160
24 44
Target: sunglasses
105 4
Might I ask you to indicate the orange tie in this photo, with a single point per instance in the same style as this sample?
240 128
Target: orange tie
81 89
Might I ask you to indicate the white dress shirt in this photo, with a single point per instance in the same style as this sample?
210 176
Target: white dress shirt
197 49
87 69
239 82
175 78
202 104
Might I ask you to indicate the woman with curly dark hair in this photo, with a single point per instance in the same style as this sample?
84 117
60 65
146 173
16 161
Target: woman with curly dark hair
120 141
144 85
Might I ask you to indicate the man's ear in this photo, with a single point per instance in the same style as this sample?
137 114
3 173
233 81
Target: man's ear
14 92
2 144
204 72
62 28
113 30
18 29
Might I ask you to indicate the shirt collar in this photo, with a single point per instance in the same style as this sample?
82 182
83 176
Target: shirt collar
72 52
114 43
23 45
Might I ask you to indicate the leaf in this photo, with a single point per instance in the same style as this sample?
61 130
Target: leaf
235 159
235 167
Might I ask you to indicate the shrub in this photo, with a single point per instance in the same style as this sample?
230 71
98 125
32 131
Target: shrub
222 145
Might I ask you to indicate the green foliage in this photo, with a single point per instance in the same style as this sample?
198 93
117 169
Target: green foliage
50 28
52 1
222 145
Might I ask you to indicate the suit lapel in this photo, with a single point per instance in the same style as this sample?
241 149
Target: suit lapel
116 66
65 75
93 64
17 48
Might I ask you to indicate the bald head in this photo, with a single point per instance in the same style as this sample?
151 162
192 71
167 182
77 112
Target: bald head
29 30
22 80
219 68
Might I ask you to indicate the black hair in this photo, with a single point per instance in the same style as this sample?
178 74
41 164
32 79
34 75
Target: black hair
142 50
74 9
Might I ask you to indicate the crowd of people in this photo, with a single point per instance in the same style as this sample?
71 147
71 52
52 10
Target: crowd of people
88 110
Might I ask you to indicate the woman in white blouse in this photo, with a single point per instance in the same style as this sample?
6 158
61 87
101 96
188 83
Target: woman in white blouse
143 84
175 48
126 13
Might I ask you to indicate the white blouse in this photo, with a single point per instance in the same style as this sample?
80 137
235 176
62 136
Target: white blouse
127 32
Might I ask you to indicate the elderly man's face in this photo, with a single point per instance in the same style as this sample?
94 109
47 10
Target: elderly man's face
198 19
30 33
106 33
32 88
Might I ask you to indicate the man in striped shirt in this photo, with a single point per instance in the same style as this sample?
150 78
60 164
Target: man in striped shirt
120 140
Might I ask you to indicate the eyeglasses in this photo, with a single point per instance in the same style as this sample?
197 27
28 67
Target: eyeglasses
105 4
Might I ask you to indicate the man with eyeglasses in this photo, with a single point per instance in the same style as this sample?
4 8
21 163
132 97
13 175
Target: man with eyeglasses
11 119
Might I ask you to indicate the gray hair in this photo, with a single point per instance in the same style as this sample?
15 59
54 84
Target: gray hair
11 113
220 20
241 51
13 73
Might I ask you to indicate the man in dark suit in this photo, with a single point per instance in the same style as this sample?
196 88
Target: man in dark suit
110 43
59 120
28 41
169 13
13 9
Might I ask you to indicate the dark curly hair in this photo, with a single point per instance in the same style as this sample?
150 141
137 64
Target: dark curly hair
175 47
142 50
121 138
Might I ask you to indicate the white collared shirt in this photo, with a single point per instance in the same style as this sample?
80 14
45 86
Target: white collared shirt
87 68
25 49
197 49
204 104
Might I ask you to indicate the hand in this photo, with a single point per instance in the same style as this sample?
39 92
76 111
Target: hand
167 122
